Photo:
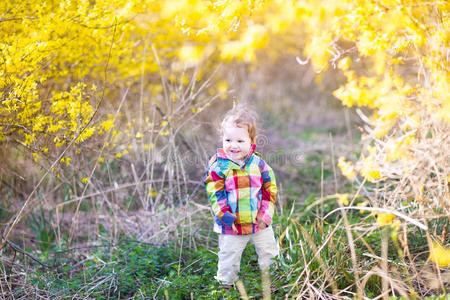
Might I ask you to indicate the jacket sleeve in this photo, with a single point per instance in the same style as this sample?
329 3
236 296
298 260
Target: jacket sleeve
269 193
218 197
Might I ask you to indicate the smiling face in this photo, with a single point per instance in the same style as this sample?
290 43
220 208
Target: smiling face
236 142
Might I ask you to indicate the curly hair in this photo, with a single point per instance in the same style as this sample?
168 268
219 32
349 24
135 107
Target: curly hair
241 115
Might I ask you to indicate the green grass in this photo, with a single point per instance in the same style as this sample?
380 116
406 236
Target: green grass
132 268
40 224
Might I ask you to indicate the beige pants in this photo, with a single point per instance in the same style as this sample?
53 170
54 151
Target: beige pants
230 252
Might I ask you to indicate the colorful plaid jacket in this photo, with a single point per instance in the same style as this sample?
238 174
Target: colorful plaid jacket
240 194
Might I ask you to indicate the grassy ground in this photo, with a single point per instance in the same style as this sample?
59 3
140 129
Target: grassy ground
132 269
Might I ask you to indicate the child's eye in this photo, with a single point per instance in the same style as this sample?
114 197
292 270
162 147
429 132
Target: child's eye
240 141
227 140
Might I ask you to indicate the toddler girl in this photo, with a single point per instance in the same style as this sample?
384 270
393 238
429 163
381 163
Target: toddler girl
242 190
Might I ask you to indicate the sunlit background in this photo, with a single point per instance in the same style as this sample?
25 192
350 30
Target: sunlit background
110 111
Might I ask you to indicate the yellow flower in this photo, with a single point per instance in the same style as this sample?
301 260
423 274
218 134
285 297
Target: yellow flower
344 64
343 199
118 155
362 204
84 180
440 255
153 193
385 219
58 142
66 160
222 87
191 54
396 224
87 133
370 170
346 169
139 135
107 125
147 146
101 159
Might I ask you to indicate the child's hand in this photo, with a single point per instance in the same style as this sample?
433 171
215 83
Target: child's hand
261 224
234 228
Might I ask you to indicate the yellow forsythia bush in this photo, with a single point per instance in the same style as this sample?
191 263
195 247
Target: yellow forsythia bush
394 55
60 59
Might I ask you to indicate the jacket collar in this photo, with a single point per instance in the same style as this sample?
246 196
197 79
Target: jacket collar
222 155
